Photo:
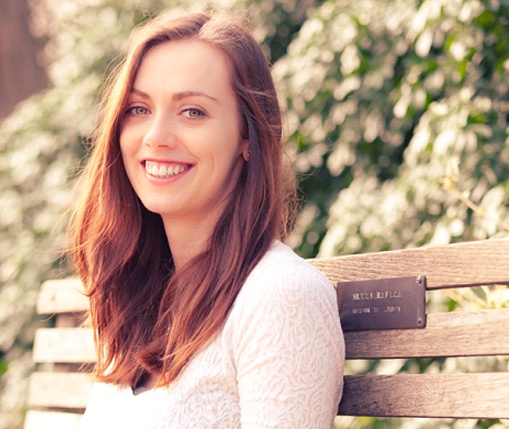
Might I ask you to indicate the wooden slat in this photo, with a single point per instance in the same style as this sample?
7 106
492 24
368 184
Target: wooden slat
51 420
59 390
461 333
463 264
62 296
427 395
64 345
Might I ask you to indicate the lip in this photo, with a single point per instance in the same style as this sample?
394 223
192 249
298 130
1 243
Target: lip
158 170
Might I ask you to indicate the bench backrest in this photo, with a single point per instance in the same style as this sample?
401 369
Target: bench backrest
63 354
59 388
466 333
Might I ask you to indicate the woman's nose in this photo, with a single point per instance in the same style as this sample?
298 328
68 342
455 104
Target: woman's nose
160 134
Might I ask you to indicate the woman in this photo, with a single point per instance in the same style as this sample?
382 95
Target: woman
202 317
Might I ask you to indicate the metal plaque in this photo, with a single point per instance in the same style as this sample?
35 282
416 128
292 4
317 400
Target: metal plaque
398 303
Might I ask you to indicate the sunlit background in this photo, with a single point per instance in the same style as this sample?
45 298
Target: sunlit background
396 118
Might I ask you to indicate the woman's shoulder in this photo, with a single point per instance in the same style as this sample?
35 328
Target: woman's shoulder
283 295
281 263
282 273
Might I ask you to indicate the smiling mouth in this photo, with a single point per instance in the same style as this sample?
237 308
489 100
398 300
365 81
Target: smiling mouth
164 171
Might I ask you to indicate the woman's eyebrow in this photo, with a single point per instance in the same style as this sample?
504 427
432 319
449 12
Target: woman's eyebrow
179 95
188 94
139 92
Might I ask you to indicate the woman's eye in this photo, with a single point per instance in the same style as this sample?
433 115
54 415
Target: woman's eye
137 110
193 113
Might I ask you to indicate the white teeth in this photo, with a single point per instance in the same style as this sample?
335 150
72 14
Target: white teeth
163 171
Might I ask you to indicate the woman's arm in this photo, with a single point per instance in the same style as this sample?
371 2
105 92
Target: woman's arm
290 355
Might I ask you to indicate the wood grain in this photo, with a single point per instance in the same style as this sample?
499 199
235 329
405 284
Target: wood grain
461 333
427 395
64 345
59 389
52 420
462 264
62 296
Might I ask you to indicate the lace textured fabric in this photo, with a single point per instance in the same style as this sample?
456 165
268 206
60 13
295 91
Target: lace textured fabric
276 363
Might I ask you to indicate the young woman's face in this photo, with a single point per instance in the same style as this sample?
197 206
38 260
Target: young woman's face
180 135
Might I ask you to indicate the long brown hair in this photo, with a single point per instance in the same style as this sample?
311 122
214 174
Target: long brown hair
146 318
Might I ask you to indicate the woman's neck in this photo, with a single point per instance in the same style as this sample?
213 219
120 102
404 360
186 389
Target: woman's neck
187 239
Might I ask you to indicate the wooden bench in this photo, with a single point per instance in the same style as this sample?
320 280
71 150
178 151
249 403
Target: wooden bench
384 375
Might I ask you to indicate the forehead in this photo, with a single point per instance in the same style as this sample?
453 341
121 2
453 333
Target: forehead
185 62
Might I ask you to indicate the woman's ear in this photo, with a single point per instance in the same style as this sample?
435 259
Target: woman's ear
245 149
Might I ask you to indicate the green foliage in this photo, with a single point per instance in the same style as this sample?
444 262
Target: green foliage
3 366
384 99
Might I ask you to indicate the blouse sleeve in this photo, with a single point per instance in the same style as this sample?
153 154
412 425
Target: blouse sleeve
290 351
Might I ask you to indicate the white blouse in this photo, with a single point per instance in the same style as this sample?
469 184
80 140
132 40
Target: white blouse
276 363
